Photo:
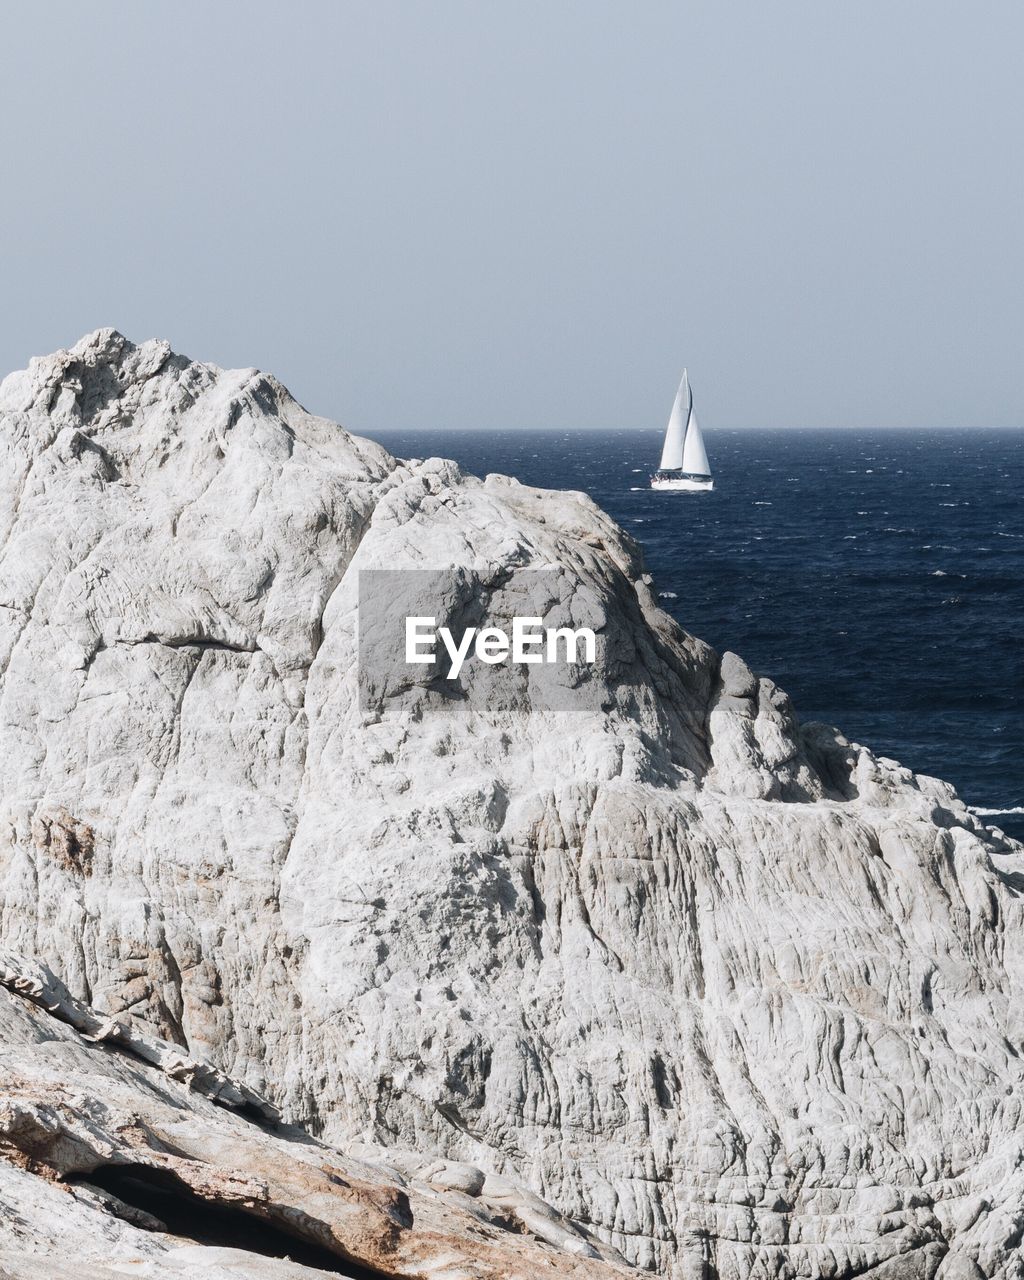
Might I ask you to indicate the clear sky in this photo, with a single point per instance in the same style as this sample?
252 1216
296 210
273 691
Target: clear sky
531 214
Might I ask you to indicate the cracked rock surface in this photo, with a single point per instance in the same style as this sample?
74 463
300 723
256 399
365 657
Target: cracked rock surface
119 1161
726 990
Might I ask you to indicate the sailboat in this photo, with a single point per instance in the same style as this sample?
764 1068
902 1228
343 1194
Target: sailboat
684 461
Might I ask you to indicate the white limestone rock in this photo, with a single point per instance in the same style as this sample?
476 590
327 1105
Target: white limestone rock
733 991
99 1146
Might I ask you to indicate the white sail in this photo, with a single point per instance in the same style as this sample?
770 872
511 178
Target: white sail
672 452
695 458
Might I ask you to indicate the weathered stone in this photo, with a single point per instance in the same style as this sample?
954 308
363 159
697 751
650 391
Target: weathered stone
732 990
111 1163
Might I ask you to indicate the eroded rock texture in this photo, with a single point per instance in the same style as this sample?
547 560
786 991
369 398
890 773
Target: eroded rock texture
119 1162
730 990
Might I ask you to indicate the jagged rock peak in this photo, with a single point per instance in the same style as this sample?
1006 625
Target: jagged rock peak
733 992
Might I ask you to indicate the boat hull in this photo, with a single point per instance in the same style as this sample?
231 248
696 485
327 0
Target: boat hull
682 484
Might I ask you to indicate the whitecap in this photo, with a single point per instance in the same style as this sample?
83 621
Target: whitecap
996 813
667 595
762 504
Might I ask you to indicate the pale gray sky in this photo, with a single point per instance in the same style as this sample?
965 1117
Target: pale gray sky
457 213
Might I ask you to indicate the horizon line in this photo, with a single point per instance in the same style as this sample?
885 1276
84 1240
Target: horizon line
659 430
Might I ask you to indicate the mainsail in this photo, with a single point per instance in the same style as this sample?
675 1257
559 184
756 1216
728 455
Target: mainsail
672 452
684 446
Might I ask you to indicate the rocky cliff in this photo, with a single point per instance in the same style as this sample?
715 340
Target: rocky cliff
729 992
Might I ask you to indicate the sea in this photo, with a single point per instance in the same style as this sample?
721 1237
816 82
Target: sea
876 576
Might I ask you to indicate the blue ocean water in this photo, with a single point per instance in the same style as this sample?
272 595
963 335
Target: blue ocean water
878 577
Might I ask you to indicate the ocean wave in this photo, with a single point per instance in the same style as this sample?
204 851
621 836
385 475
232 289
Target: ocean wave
1014 809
